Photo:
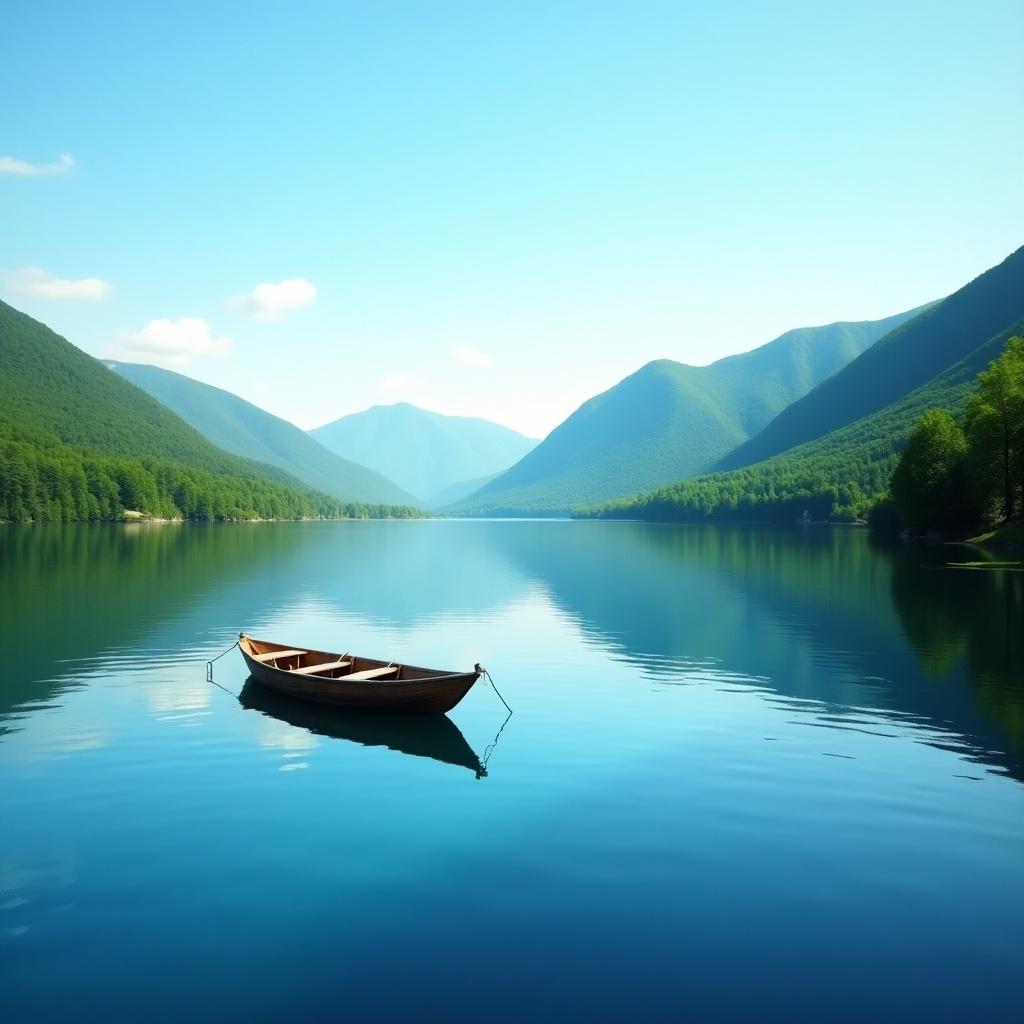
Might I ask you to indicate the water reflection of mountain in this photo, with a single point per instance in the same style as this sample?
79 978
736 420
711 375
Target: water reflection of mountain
816 614
433 736
779 604
407 573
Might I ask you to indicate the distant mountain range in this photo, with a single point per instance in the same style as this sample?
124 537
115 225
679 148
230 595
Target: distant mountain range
836 447
814 420
669 420
425 452
239 427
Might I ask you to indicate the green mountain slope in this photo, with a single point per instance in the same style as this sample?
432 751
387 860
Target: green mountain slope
424 452
243 429
670 420
905 359
839 475
78 442
47 384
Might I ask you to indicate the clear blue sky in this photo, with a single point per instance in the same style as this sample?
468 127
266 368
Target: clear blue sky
503 207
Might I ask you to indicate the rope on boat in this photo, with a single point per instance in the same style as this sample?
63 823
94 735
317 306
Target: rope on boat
209 670
487 674
482 773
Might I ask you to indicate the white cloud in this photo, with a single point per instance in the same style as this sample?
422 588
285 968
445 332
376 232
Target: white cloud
170 342
469 356
24 169
268 301
39 284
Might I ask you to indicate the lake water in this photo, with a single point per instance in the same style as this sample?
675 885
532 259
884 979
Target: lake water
750 774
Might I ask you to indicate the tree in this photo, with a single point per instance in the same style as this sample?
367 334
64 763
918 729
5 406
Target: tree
928 483
994 422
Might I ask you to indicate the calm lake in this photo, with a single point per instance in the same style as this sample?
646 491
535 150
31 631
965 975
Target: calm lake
762 774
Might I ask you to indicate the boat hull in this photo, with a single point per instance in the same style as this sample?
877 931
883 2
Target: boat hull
421 693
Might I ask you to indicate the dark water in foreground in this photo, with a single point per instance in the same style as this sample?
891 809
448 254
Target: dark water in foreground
749 774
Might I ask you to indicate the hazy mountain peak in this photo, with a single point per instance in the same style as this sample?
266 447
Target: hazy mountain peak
244 429
423 451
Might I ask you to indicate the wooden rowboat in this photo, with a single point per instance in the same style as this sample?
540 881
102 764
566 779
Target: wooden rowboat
349 681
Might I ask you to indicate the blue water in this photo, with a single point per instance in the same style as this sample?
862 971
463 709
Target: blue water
749 775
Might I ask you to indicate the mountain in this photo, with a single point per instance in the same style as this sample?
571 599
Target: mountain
670 420
424 452
79 442
49 385
243 429
844 470
905 359
837 476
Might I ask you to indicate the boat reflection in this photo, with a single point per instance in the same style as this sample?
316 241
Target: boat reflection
433 736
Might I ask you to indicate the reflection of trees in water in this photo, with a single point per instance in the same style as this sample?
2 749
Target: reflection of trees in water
76 590
809 611
954 617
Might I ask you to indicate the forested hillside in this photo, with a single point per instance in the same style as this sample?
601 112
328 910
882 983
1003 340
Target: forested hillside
243 429
49 385
905 359
838 476
78 442
44 480
670 420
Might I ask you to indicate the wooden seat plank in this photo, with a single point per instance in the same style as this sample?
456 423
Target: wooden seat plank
325 666
370 673
271 655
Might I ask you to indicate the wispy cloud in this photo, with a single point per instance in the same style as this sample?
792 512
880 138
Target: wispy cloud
269 301
469 356
27 169
170 342
40 284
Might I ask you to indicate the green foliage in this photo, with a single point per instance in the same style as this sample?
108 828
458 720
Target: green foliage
947 477
994 422
904 360
43 480
243 429
669 420
929 483
883 517
782 493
